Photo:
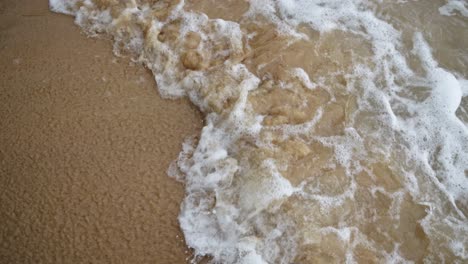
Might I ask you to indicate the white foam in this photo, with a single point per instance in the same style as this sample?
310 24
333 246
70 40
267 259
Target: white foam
436 120
454 6
64 7
303 78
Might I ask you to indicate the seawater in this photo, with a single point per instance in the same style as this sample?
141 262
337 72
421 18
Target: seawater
336 131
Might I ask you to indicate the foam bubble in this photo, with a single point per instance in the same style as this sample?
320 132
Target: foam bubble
64 7
454 6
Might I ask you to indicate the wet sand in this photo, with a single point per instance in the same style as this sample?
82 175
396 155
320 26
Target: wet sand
85 142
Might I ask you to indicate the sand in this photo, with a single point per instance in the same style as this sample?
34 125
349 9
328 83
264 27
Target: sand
85 142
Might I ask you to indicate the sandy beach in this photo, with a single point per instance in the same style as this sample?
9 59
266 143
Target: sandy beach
333 131
85 143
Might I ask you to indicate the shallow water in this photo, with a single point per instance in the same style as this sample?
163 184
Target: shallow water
335 131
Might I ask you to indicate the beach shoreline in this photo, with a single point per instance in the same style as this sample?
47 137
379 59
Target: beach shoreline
86 143
333 131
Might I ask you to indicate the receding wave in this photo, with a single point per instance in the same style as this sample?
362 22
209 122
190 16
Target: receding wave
335 131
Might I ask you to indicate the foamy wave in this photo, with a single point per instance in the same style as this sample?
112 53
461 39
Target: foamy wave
326 140
454 6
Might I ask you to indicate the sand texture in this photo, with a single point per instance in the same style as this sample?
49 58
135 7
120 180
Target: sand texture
85 142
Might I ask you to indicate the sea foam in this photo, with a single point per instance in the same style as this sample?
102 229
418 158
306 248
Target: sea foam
330 136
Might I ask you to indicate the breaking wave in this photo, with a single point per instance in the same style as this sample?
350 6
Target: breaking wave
335 131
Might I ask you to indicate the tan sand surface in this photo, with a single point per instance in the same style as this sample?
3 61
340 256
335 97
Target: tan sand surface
85 141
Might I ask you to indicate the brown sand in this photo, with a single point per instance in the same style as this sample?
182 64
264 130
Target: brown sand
85 141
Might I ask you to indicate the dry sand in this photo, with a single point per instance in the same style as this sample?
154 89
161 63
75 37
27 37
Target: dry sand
85 142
